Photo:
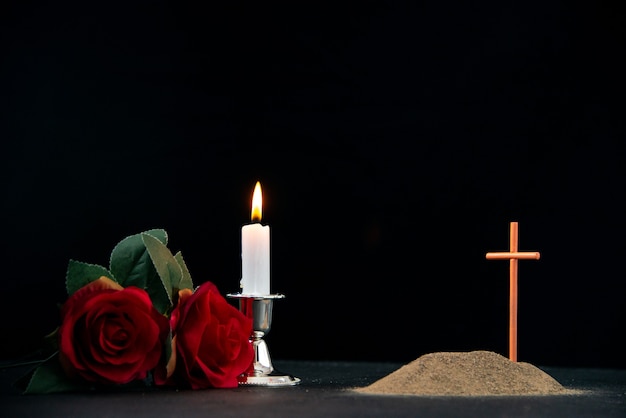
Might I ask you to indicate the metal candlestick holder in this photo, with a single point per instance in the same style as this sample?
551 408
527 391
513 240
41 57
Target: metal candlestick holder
261 371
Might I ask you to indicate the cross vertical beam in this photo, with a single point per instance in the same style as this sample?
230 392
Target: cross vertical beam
513 264
513 255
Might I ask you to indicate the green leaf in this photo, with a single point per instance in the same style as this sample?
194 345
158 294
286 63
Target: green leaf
130 252
49 377
185 282
166 265
79 274
132 266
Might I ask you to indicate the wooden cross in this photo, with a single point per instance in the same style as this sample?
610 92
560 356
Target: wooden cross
513 256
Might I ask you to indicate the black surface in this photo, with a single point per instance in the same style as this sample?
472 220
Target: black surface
325 391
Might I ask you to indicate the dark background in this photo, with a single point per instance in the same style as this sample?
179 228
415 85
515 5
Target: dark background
394 142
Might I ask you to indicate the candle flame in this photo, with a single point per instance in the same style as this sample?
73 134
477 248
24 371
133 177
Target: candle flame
257 203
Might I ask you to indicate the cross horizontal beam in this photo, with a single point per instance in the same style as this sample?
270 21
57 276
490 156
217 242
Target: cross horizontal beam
513 255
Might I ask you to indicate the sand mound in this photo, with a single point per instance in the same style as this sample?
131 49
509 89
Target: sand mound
475 373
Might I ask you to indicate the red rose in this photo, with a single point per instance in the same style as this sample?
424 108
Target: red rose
110 334
211 340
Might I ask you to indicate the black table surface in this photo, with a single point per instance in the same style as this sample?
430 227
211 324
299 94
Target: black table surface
325 390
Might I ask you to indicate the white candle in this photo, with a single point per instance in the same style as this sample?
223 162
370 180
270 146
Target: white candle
255 251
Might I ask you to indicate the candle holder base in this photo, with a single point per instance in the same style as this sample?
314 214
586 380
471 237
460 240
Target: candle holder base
274 379
261 371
